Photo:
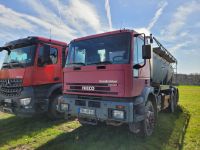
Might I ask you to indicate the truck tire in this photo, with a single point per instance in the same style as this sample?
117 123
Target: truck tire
173 103
148 124
176 97
53 113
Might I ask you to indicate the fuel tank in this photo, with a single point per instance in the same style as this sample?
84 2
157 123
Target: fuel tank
161 69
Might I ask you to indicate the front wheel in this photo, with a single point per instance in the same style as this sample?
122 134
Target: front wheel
53 112
148 124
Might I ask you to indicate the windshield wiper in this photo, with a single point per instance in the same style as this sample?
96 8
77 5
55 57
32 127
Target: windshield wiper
77 63
17 63
101 62
5 65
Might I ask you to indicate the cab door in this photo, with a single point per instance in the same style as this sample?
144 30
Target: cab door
51 71
140 76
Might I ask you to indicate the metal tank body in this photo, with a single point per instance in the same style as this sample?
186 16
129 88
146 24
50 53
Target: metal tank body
162 71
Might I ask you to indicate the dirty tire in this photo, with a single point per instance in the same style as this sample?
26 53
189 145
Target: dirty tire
173 103
148 124
176 98
53 113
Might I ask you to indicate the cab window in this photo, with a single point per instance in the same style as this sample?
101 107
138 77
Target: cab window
53 59
137 54
138 43
54 55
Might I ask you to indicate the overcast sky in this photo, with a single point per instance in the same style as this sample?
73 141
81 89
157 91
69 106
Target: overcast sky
175 23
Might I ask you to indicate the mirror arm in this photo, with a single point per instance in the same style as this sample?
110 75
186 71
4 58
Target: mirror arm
144 63
137 66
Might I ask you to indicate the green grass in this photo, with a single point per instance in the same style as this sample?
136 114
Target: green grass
180 130
190 100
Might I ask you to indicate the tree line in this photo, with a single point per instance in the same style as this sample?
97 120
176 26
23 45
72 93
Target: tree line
187 79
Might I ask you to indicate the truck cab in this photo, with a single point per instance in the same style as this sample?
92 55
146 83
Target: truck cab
107 78
31 76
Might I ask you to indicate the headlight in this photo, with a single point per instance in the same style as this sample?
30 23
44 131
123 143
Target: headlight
64 107
25 101
118 114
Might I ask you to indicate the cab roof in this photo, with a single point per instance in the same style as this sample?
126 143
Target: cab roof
34 39
104 34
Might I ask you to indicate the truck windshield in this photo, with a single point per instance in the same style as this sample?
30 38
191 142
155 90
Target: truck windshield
112 49
20 57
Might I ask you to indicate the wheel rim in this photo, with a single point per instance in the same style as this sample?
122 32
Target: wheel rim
56 107
150 119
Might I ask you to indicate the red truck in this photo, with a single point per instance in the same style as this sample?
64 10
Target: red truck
116 77
31 76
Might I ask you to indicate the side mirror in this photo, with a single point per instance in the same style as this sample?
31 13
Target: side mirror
45 57
6 49
146 51
64 56
46 53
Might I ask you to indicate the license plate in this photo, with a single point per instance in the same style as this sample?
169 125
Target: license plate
87 111
8 101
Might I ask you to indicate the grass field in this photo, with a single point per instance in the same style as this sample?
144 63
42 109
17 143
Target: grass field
180 130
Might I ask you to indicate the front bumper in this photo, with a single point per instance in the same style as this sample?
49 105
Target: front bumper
103 109
13 105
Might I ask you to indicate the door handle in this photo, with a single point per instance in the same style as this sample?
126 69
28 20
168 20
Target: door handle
56 78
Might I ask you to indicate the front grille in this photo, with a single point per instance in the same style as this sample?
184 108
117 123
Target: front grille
96 88
93 92
94 84
10 87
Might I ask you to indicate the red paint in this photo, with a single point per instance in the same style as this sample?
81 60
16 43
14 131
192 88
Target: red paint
46 74
46 40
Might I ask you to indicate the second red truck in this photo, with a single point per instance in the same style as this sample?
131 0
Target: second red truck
31 76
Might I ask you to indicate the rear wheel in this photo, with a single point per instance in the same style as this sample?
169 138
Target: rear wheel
173 102
148 124
53 112
177 97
